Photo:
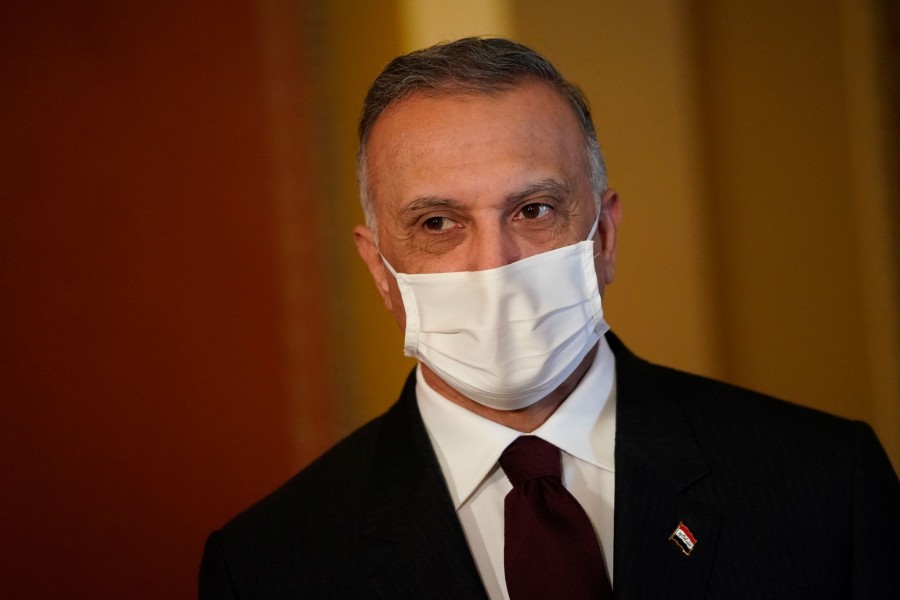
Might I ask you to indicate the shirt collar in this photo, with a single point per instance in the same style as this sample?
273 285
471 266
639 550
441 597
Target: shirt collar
468 446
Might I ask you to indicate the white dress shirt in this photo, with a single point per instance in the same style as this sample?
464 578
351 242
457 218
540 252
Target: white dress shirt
468 447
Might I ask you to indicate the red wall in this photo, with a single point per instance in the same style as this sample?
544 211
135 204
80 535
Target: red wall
142 368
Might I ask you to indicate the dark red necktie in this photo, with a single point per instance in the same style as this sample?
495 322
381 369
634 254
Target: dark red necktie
550 548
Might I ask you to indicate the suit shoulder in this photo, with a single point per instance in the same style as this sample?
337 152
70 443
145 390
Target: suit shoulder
701 396
736 424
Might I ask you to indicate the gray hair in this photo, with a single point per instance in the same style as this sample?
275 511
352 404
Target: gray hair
474 65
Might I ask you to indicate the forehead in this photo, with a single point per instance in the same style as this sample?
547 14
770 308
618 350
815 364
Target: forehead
420 137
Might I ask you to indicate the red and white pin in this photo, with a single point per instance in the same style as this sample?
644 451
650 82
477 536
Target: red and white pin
683 538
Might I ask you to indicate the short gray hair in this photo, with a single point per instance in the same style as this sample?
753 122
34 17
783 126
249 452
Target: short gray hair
472 65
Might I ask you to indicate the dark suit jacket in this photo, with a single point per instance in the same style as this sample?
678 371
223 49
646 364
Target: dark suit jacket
784 502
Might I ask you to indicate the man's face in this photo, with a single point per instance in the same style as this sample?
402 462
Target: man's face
473 182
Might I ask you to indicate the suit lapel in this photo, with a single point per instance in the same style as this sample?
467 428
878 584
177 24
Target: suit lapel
417 543
657 460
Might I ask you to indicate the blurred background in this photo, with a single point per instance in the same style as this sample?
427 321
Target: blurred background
184 321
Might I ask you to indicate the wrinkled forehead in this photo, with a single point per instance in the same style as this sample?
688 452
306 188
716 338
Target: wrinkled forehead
444 88
533 99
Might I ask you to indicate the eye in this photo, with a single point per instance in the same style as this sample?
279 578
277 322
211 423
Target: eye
535 211
438 223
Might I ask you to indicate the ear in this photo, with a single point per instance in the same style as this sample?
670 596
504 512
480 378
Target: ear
368 251
610 213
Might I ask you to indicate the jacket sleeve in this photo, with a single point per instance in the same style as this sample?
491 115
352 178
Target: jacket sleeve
876 520
215 578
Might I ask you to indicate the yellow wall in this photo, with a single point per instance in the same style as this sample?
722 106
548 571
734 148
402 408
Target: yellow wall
745 143
798 189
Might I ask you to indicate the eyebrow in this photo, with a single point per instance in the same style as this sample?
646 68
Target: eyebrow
543 186
425 203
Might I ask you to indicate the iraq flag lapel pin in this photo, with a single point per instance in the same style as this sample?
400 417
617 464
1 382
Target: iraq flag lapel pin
683 538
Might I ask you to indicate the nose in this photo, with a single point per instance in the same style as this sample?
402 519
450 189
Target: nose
492 247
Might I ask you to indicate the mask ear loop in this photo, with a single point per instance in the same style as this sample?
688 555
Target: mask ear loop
387 264
410 306
590 237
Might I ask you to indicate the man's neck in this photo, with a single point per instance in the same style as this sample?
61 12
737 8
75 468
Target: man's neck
525 419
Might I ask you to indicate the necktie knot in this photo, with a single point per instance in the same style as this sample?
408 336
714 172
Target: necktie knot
530 457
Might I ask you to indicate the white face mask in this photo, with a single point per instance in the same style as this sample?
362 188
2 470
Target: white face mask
506 337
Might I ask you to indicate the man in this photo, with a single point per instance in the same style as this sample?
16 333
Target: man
491 236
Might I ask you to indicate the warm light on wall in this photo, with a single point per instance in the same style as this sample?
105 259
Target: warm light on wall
427 22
